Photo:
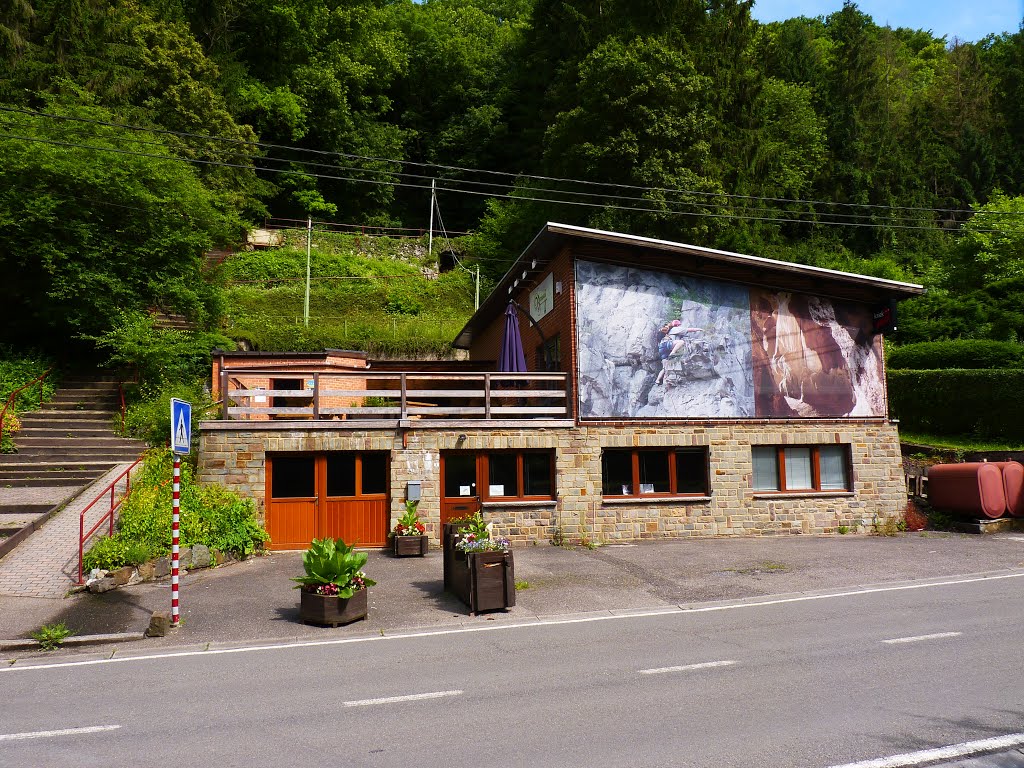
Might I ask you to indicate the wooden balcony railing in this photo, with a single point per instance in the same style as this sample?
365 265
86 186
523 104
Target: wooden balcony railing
395 397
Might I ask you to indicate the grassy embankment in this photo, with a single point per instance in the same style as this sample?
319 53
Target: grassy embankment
380 295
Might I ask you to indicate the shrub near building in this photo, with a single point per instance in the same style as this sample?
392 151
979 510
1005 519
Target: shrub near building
210 515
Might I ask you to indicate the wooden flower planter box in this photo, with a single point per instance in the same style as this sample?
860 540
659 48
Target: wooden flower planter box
484 581
409 546
448 550
492 582
324 610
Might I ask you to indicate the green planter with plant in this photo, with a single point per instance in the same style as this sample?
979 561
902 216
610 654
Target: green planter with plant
334 588
409 537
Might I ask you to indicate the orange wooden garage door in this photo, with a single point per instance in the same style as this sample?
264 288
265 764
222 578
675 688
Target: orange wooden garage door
340 494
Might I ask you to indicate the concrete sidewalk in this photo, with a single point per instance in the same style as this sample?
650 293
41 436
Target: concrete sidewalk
254 601
45 565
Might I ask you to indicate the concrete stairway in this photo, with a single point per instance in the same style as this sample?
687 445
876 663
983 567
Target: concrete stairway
70 441
170 321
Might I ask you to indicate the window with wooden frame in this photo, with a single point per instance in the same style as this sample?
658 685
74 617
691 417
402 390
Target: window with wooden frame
352 474
519 474
549 355
503 475
801 468
654 472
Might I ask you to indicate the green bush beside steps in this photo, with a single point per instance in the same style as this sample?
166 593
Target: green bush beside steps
209 515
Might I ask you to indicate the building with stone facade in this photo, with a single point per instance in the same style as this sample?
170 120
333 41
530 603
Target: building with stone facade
671 390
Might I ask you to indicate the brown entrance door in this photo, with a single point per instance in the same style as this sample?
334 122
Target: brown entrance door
460 494
338 495
292 501
356 498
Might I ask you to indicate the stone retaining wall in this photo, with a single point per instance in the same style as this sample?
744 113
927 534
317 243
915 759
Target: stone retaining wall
189 558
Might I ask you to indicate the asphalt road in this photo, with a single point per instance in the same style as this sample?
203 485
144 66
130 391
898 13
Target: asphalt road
810 681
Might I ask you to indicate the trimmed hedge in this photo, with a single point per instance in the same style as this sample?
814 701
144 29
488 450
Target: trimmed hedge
961 353
980 403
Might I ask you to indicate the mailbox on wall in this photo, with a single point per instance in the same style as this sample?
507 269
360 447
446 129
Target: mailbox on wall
412 490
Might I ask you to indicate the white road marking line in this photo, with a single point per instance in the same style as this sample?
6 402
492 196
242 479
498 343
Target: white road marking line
688 667
395 699
49 734
640 614
918 638
941 753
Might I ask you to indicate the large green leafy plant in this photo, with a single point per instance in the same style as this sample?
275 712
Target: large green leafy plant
333 569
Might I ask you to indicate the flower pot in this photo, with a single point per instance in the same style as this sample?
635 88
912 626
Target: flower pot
409 546
325 609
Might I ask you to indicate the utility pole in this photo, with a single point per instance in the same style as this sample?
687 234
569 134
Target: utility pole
430 239
309 243
476 302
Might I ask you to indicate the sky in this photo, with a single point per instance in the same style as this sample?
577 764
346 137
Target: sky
968 20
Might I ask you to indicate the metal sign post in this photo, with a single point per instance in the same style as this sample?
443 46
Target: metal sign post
181 443
175 520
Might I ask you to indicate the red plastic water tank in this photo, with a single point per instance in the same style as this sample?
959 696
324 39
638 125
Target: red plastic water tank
1013 486
975 488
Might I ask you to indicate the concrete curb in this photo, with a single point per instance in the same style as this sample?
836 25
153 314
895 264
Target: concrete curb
73 641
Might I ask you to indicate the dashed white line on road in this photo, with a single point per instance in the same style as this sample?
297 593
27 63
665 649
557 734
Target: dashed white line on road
50 734
941 753
918 638
396 699
688 667
528 624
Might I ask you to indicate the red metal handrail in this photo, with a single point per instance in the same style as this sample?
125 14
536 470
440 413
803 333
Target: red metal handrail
14 394
84 536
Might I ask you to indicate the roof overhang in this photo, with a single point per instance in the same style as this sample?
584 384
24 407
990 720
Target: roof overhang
665 255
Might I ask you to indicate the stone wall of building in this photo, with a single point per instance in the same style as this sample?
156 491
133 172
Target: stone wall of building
236 458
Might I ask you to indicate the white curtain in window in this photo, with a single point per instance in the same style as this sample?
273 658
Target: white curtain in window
832 461
798 468
766 471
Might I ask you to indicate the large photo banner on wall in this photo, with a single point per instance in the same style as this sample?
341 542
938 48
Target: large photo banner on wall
652 344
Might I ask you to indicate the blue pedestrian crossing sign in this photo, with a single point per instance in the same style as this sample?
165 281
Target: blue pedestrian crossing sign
181 426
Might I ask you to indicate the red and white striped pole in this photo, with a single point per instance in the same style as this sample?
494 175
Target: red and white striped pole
176 496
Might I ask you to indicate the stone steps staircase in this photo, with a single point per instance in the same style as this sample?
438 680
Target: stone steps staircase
70 440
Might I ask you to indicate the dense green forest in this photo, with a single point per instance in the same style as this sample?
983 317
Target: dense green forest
137 134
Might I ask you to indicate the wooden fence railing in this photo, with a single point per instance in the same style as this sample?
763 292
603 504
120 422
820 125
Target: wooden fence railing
359 395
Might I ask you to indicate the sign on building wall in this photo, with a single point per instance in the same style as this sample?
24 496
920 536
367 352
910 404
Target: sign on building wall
652 344
542 298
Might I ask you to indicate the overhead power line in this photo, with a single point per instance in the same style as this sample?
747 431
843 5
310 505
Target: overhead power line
498 189
439 166
506 196
517 194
